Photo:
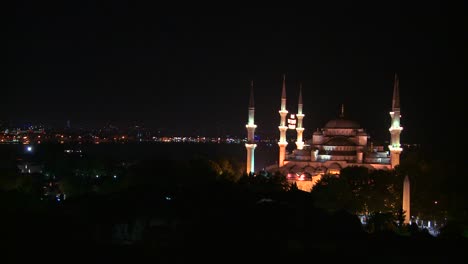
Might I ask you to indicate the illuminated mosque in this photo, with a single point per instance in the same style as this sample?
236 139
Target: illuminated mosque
340 143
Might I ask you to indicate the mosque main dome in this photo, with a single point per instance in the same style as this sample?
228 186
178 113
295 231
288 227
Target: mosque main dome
341 123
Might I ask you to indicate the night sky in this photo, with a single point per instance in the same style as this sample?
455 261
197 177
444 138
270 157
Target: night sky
187 69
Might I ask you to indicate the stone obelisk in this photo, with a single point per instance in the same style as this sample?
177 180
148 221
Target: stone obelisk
406 199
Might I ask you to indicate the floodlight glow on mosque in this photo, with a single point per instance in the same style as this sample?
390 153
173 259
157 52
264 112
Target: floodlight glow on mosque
339 144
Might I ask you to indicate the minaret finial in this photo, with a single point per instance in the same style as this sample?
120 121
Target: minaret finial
251 101
396 94
342 111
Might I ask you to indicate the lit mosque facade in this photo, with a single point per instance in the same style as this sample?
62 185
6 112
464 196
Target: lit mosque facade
339 144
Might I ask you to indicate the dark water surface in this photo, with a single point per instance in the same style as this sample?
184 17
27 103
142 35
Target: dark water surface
265 155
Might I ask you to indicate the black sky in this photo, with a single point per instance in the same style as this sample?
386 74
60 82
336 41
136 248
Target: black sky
188 68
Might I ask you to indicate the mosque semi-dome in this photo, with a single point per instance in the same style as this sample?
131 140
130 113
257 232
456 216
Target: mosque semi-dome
339 141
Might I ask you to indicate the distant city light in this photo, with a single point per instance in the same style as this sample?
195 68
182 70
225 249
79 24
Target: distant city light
29 149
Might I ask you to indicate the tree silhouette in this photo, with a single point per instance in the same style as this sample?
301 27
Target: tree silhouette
358 190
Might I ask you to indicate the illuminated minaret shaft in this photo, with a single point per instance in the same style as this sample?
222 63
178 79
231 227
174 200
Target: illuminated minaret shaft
282 127
300 116
250 145
395 129
406 199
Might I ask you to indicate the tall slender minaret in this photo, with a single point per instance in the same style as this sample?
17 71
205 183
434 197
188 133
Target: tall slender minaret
250 145
406 199
395 129
300 116
282 127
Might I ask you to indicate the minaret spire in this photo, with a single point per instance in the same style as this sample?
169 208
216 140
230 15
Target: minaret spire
282 127
251 101
299 109
395 128
300 116
283 94
396 94
342 111
250 144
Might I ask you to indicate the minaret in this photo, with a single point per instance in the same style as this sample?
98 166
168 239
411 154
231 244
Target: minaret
300 116
250 145
406 199
395 129
282 127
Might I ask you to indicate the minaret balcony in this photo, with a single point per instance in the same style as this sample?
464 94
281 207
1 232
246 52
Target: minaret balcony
395 129
299 145
282 144
250 145
395 149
